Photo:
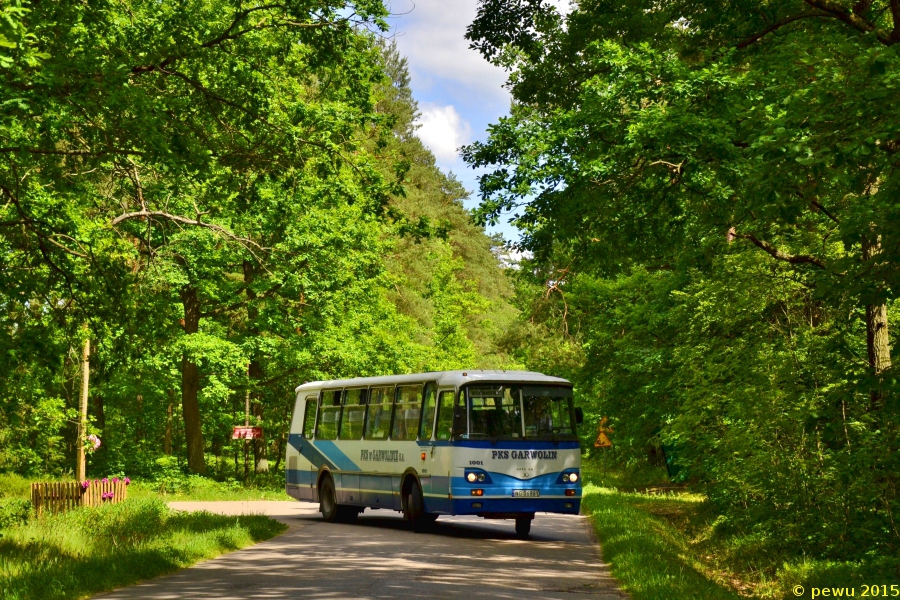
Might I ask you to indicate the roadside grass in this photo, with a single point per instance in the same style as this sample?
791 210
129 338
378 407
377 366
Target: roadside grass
650 558
197 488
90 550
668 547
170 487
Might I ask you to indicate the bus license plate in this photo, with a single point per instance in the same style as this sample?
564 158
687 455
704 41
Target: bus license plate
526 493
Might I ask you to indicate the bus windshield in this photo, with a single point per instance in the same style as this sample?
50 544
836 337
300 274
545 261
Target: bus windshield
520 412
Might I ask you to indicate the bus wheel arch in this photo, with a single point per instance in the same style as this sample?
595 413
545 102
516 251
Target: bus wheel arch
413 503
410 477
327 496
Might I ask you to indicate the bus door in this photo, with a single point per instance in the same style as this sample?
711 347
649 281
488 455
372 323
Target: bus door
425 435
307 485
439 453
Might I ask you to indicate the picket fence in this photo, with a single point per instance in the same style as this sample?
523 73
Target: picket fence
60 496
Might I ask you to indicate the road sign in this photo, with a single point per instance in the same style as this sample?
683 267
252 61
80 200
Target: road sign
246 433
603 440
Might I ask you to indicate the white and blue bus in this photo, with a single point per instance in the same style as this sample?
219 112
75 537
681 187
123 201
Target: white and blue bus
497 444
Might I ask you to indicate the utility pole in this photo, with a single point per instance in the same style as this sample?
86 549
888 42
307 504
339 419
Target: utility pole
246 441
81 467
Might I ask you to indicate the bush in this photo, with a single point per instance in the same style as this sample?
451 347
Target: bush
14 511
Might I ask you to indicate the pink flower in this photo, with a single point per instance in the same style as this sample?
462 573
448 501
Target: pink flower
86 483
94 440
115 480
105 480
127 481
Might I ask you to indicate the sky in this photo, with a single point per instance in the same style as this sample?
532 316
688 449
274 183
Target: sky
459 93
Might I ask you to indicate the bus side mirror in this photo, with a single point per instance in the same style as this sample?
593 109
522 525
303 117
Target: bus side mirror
579 415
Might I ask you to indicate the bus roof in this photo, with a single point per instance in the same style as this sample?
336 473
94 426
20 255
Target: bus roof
443 378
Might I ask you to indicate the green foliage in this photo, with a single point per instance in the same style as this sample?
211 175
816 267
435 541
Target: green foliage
709 193
228 201
86 551
14 511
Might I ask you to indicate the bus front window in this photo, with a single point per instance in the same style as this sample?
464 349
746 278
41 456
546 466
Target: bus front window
547 412
495 412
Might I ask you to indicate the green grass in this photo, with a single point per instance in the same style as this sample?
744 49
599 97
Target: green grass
651 559
672 547
198 488
90 550
171 488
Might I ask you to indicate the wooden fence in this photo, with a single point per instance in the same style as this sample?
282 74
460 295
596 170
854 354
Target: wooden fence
60 496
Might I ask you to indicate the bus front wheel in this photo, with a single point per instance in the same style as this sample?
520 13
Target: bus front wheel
523 526
415 509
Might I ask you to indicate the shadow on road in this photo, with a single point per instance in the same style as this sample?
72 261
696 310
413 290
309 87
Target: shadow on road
380 557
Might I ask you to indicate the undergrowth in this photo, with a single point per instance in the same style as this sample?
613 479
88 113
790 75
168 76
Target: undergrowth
90 550
674 546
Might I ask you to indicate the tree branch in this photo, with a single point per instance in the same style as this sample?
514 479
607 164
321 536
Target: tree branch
778 25
847 16
895 15
774 252
97 154
158 214
231 34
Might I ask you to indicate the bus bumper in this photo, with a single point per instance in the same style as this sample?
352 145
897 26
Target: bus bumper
469 505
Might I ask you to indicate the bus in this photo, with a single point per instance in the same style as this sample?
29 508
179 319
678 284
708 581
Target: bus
496 444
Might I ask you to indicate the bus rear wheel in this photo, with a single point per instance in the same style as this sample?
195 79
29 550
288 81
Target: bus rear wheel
523 526
327 500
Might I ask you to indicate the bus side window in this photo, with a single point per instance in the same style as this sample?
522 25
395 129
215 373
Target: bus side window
309 416
445 416
378 418
407 408
428 411
354 414
329 415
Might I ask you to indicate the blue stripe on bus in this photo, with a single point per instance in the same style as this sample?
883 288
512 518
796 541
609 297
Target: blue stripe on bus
300 476
504 444
308 451
334 454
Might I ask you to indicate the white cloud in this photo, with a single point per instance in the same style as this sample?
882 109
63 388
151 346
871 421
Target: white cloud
443 130
431 34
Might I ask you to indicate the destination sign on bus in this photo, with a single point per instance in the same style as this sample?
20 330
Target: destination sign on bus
520 454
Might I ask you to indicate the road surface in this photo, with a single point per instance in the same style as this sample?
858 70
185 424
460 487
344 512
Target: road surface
380 557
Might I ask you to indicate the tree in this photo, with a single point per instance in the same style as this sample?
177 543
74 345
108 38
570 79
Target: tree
655 153
136 120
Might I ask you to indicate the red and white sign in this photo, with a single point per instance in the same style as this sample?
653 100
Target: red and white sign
246 433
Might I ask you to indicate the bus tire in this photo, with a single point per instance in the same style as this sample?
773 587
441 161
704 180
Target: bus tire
415 509
523 526
327 499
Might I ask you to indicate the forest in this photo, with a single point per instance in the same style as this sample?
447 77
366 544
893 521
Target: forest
224 199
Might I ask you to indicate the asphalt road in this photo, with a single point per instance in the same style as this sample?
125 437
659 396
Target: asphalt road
380 557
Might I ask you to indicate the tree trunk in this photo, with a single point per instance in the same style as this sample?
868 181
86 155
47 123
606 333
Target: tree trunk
167 441
878 343
255 372
260 450
190 386
81 466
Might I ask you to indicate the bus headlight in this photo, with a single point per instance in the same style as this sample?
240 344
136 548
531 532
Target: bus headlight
472 477
481 477
573 477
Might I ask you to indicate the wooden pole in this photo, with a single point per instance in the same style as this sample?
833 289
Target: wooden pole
246 424
80 468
